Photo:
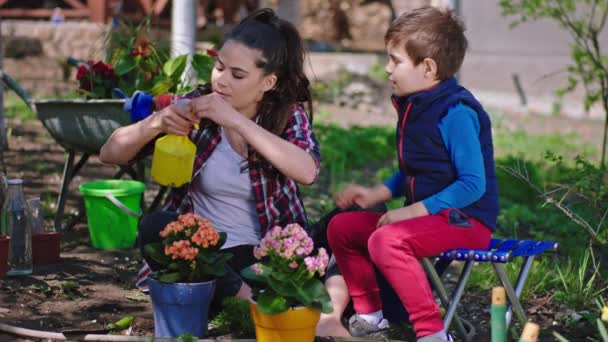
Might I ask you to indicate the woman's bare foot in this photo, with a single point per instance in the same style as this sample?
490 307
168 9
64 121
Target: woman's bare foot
244 292
329 325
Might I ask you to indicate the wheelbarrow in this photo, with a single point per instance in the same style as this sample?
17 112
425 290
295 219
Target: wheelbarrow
81 127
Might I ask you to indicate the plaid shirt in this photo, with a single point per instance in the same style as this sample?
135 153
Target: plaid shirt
277 197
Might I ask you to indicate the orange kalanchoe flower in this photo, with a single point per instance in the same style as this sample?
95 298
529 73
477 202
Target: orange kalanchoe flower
206 236
189 220
181 250
173 227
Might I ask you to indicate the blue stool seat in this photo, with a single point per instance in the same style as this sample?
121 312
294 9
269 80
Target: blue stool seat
499 253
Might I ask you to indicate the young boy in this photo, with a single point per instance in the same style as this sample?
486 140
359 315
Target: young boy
446 172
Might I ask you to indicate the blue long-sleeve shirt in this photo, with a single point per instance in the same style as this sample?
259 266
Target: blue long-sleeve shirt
460 133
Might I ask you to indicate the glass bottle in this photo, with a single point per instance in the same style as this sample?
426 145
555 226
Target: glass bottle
16 224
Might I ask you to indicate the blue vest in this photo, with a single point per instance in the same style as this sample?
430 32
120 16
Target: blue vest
423 158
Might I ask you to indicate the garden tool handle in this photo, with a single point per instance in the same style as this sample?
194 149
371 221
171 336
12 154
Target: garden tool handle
121 206
11 83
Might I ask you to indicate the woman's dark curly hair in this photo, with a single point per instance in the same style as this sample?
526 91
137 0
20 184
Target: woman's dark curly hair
282 54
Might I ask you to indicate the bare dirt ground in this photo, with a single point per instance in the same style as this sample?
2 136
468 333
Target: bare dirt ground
89 288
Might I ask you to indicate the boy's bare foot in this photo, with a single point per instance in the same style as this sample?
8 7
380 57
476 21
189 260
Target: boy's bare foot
331 326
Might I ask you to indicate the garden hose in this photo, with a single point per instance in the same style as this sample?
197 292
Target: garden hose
23 332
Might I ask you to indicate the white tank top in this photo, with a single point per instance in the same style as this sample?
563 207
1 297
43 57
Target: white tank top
222 193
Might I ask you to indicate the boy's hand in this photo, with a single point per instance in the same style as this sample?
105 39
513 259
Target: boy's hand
362 196
411 211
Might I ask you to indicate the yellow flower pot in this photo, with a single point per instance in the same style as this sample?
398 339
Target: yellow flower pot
293 325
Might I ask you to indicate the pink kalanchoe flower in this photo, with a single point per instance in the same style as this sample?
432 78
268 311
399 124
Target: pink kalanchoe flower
257 269
318 263
293 265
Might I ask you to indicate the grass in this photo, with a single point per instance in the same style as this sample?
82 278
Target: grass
15 108
234 318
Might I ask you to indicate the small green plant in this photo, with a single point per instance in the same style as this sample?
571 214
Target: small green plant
187 337
71 290
234 318
600 323
581 281
541 280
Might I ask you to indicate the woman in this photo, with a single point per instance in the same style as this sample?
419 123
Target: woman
254 146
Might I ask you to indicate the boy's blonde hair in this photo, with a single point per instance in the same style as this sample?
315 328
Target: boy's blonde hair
429 32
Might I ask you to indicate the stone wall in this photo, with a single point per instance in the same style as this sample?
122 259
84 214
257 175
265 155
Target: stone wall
352 24
35 53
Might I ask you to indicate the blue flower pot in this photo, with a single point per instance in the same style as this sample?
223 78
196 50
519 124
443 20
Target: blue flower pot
180 307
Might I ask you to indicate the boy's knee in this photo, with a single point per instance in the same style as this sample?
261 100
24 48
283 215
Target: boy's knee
336 228
383 243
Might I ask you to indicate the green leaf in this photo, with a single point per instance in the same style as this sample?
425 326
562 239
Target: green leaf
175 67
248 273
270 303
161 87
602 329
284 288
122 324
560 337
203 65
124 65
210 270
170 277
316 295
222 240
156 252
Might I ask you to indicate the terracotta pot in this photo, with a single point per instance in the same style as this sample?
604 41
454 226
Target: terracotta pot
46 248
294 325
3 255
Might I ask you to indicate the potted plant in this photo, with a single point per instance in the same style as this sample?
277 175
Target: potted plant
191 260
133 63
46 242
3 254
288 298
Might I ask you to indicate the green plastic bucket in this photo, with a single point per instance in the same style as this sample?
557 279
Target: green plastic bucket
113 208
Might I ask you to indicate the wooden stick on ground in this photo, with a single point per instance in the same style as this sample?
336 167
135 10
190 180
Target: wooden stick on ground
530 332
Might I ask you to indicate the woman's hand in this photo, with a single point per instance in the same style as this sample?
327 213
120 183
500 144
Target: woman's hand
216 109
411 211
178 118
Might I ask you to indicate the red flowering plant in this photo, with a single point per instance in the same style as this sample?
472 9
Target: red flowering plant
142 64
189 251
286 275
96 79
134 62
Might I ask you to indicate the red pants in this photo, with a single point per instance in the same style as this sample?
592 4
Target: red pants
395 249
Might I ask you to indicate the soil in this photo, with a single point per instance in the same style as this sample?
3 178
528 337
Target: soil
90 288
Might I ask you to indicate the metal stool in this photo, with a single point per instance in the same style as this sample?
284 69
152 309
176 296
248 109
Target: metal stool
500 252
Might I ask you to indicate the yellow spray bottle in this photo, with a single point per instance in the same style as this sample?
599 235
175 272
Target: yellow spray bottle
173 160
